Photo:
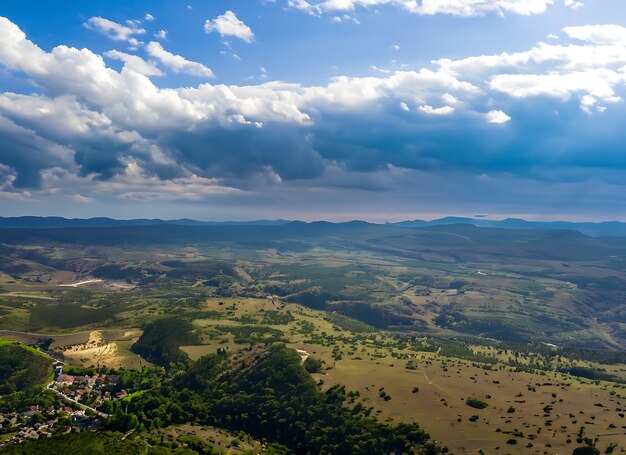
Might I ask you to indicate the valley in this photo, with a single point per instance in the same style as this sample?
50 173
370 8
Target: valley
416 325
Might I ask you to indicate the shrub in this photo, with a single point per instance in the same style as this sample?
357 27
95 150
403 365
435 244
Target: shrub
476 403
312 365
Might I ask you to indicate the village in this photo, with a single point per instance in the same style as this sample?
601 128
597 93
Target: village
80 396
90 391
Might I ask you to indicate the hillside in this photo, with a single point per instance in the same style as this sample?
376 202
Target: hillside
22 367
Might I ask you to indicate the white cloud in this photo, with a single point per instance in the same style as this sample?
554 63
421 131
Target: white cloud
229 25
344 18
149 17
596 83
497 116
479 7
587 102
177 63
573 4
431 7
427 109
82 199
133 44
381 70
597 67
136 183
113 30
598 34
161 34
135 63
231 55
450 99
108 119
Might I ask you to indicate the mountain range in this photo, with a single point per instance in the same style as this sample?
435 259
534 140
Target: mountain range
592 229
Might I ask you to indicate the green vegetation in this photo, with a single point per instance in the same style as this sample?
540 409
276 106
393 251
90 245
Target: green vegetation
67 315
596 375
276 400
85 442
312 365
587 450
400 324
349 324
506 284
476 403
22 367
251 333
161 339
17 401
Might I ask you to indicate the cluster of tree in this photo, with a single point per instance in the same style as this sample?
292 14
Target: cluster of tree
593 374
312 365
273 399
161 340
251 333
83 442
349 324
17 401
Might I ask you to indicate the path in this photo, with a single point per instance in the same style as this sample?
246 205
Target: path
303 354
435 385
79 404
80 283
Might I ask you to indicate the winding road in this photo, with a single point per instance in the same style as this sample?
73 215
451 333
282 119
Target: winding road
79 404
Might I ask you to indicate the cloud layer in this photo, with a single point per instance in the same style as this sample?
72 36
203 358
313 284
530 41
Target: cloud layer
88 130
464 8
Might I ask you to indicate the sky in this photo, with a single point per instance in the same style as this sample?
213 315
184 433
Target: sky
380 110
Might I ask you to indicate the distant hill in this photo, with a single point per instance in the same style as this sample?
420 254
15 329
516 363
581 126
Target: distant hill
446 241
48 222
602 229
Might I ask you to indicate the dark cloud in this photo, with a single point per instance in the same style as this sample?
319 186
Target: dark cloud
239 151
28 154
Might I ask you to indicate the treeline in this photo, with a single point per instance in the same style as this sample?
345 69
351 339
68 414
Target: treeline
273 398
593 374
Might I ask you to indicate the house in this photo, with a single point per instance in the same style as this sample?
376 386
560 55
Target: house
65 379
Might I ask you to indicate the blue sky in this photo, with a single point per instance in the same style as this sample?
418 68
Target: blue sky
313 109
